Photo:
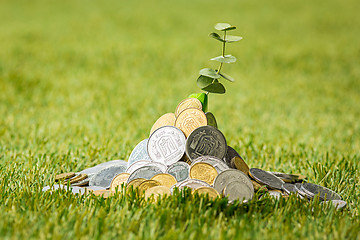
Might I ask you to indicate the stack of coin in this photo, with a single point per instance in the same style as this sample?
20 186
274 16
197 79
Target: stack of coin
186 149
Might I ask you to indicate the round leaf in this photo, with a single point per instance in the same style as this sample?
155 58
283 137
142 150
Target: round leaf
225 59
203 81
216 36
215 88
208 72
224 27
227 77
231 38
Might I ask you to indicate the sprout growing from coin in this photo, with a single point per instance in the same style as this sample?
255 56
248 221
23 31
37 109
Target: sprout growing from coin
209 79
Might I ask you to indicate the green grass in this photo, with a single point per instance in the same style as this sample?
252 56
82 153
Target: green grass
82 82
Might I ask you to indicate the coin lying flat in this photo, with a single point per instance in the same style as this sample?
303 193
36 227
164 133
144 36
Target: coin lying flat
217 163
275 194
289 188
206 140
93 188
167 119
193 184
135 183
266 178
338 204
64 176
137 165
103 193
165 179
230 154
324 193
211 192
190 119
78 178
157 192
91 171
139 153
204 172
82 183
118 180
240 164
166 145
148 184
258 186
231 175
188 103
211 121
180 170
104 177
236 190
289 178
299 191
146 172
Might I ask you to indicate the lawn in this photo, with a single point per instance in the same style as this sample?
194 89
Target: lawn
82 82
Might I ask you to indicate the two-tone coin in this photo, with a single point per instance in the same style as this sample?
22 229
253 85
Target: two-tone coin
311 190
166 145
217 163
118 180
204 172
188 103
165 179
168 119
240 164
211 121
104 177
236 190
190 119
146 172
266 178
206 140
139 153
210 191
180 170
137 165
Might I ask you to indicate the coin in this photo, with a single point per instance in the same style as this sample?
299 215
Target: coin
204 172
299 191
162 166
230 154
236 190
118 180
338 204
289 178
135 183
157 192
190 119
137 165
275 194
91 171
82 183
146 172
139 153
193 184
211 192
206 140
324 193
258 186
55 187
78 178
240 164
211 121
165 179
180 170
188 103
230 175
166 145
148 184
93 188
266 178
103 193
104 177
64 176
289 188
167 119
217 163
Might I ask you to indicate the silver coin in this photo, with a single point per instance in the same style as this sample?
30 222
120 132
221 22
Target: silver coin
166 145
324 193
289 188
275 194
288 178
91 171
78 190
217 163
146 172
206 140
139 152
193 184
95 188
137 165
300 192
338 204
266 178
163 167
236 190
230 154
230 175
180 170
55 187
211 119
104 177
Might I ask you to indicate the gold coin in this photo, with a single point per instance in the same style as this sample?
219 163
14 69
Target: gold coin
167 119
148 184
103 193
188 103
207 190
118 180
165 179
190 119
240 164
258 186
204 172
157 192
135 183
77 178
64 176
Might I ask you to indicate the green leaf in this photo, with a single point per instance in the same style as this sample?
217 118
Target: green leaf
204 81
231 38
203 98
208 72
216 36
215 88
224 27
227 77
225 59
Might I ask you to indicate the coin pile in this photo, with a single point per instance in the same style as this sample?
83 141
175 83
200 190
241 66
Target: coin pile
186 149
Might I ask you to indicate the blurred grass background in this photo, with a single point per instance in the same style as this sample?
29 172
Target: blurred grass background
82 82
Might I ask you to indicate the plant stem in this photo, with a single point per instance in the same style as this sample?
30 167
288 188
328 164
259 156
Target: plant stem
223 52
